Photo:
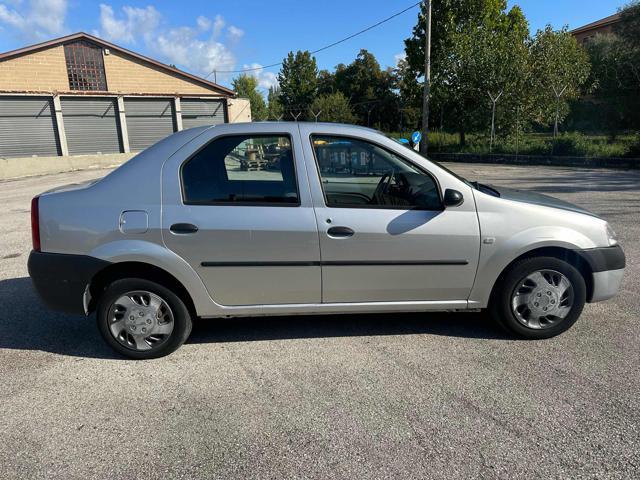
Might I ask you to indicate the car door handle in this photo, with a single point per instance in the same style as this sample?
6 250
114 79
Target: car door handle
340 232
183 228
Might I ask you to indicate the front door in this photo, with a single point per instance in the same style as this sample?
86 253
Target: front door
384 234
243 218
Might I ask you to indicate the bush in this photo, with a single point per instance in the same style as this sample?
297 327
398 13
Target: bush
571 144
633 150
526 145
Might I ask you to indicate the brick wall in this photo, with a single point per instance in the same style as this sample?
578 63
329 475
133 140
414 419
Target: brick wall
130 75
44 70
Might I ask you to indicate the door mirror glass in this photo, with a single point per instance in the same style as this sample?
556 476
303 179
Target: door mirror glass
452 198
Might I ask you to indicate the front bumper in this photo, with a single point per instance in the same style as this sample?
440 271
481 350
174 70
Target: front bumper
606 284
61 279
607 267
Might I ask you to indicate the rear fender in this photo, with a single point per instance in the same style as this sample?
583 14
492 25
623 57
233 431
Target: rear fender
163 258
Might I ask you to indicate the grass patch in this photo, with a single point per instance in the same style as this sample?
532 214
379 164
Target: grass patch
572 144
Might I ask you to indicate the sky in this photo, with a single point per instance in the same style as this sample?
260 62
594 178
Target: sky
202 35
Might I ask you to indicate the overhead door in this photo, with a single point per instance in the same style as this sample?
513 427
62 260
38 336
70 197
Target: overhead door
197 112
27 127
91 125
148 120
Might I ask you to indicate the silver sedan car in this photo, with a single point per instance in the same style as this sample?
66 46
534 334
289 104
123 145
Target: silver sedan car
308 218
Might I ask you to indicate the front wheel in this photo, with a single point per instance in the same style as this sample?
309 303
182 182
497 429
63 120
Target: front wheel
141 319
539 297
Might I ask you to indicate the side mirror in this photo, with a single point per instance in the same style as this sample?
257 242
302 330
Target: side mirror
452 198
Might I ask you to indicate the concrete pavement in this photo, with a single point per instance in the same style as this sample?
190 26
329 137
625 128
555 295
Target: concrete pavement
375 396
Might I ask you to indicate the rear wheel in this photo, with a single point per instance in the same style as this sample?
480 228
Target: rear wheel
539 297
142 319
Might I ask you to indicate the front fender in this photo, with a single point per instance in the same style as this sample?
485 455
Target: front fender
496 256
163 258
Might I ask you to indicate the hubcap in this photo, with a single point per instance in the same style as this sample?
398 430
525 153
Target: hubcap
542 299
140 320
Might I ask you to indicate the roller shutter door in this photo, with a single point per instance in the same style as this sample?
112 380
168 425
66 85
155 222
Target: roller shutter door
27 127
197 112
91 125
148 120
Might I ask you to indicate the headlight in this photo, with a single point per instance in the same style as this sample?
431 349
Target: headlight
611 236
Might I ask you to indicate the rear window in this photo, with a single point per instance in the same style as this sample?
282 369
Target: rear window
242 169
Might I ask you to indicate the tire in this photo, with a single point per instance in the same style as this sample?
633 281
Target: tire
516 303
128 306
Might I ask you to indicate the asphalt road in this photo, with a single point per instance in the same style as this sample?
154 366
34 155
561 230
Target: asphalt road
377 396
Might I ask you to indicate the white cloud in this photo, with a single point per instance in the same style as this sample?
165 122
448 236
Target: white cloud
36 19
218 25
203 23
235 33
182 47
135 22
265 78
198 48
398 57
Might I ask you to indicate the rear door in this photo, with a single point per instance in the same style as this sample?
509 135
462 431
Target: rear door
236 206
384 234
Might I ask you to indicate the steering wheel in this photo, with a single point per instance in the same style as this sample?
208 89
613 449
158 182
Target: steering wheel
382 187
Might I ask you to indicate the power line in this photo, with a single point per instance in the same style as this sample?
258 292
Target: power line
364 30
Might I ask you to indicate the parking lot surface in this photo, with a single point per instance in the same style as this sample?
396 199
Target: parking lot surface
367 396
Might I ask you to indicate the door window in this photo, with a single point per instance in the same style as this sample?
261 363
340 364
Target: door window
358 174
242 169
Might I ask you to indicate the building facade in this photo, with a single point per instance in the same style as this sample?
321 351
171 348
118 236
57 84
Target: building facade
603 26
82 95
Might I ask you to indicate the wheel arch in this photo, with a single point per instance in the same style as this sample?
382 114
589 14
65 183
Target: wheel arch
136 269
568 255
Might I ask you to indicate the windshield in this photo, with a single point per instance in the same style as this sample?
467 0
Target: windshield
462 179
475 185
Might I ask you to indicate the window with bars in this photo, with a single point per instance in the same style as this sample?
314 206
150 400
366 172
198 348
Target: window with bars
85 66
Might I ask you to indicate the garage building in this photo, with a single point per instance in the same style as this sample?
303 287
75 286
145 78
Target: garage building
80 94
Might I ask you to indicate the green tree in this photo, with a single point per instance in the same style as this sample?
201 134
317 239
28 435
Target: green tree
629 28
246 86
558 66
298 79
477 48
405 81
615 77
326 82
333 107
369 90
274 107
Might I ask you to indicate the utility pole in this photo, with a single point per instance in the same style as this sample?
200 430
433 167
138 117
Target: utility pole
427 78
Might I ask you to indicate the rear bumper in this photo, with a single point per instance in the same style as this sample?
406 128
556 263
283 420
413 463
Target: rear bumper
607 265
61 279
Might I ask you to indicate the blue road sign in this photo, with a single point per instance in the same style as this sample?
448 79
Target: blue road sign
416 137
